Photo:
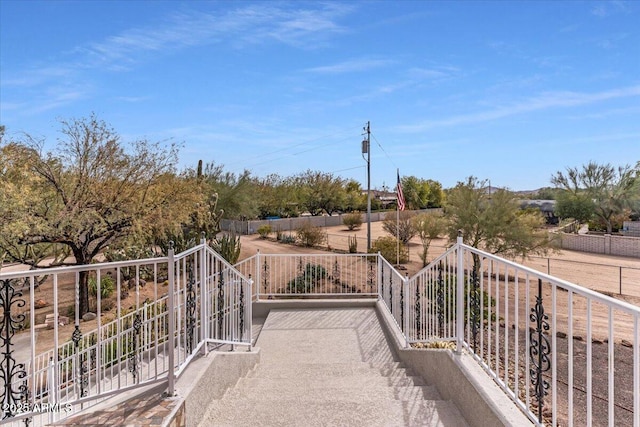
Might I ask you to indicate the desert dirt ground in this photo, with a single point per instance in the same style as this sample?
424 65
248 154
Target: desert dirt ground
597 272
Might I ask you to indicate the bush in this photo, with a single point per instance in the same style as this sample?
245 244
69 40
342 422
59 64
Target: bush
388 247
353 220
310 236
404 228
107 286
308 278
264 231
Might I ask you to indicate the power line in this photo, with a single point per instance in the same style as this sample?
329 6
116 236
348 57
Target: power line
383 150
270 153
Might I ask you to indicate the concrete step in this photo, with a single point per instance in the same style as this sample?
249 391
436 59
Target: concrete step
353 393
334 381
298 412
321 370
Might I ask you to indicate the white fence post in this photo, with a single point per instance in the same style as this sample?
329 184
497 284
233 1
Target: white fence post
258 275
204 287
405 326
172 320
249 311
459 295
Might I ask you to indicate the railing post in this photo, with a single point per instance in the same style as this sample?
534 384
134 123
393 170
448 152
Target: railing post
258 276
204 274
405 309
172 320
379 274
249 312
53 385
459 295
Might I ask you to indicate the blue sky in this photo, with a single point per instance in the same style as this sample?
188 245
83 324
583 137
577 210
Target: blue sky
506 91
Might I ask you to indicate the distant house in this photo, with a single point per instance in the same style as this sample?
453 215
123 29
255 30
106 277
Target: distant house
547 207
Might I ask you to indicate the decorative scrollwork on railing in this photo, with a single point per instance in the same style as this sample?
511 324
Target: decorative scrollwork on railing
474 303
418 311
134 356
335 273
10 370
220 299
440 301
382 284
390 291
81 361
371 276
241 311
265 275
402 308
190 306
539 351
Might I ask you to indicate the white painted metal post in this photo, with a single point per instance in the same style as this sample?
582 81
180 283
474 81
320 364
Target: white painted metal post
459 295
249 312
258 275
405 326
204 287
172 321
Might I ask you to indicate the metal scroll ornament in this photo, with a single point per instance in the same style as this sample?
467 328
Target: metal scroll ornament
220 300
371 275
539 349
265 275
241 311
336 273
82 381
190 305
475 305
134 356
418 312
11 371
440 301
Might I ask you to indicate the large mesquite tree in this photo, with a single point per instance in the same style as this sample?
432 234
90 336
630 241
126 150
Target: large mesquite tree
87 193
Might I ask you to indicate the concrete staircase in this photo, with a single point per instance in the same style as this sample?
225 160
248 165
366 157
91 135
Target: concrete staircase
322 367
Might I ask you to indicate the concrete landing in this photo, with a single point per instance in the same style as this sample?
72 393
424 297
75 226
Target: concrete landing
325 367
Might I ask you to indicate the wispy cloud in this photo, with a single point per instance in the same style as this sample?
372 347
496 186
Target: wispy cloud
350 66
255 24
605 9
542 102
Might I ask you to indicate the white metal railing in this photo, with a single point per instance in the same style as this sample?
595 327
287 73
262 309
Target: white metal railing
312 275
140 334
565 354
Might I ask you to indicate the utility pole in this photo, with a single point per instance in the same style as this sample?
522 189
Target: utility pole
366 148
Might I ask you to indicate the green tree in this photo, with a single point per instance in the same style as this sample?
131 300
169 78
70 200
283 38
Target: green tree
577 206
428 227
321 192
611 189
421 194
85 195
493 222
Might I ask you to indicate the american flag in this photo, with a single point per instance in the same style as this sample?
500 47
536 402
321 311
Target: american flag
401 202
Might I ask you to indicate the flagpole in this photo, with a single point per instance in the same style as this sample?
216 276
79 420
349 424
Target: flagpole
398 221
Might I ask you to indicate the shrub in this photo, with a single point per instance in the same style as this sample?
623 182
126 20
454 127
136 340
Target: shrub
309 235
107 286
353 244
404 228
309 277
264 231
388 247
353 220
